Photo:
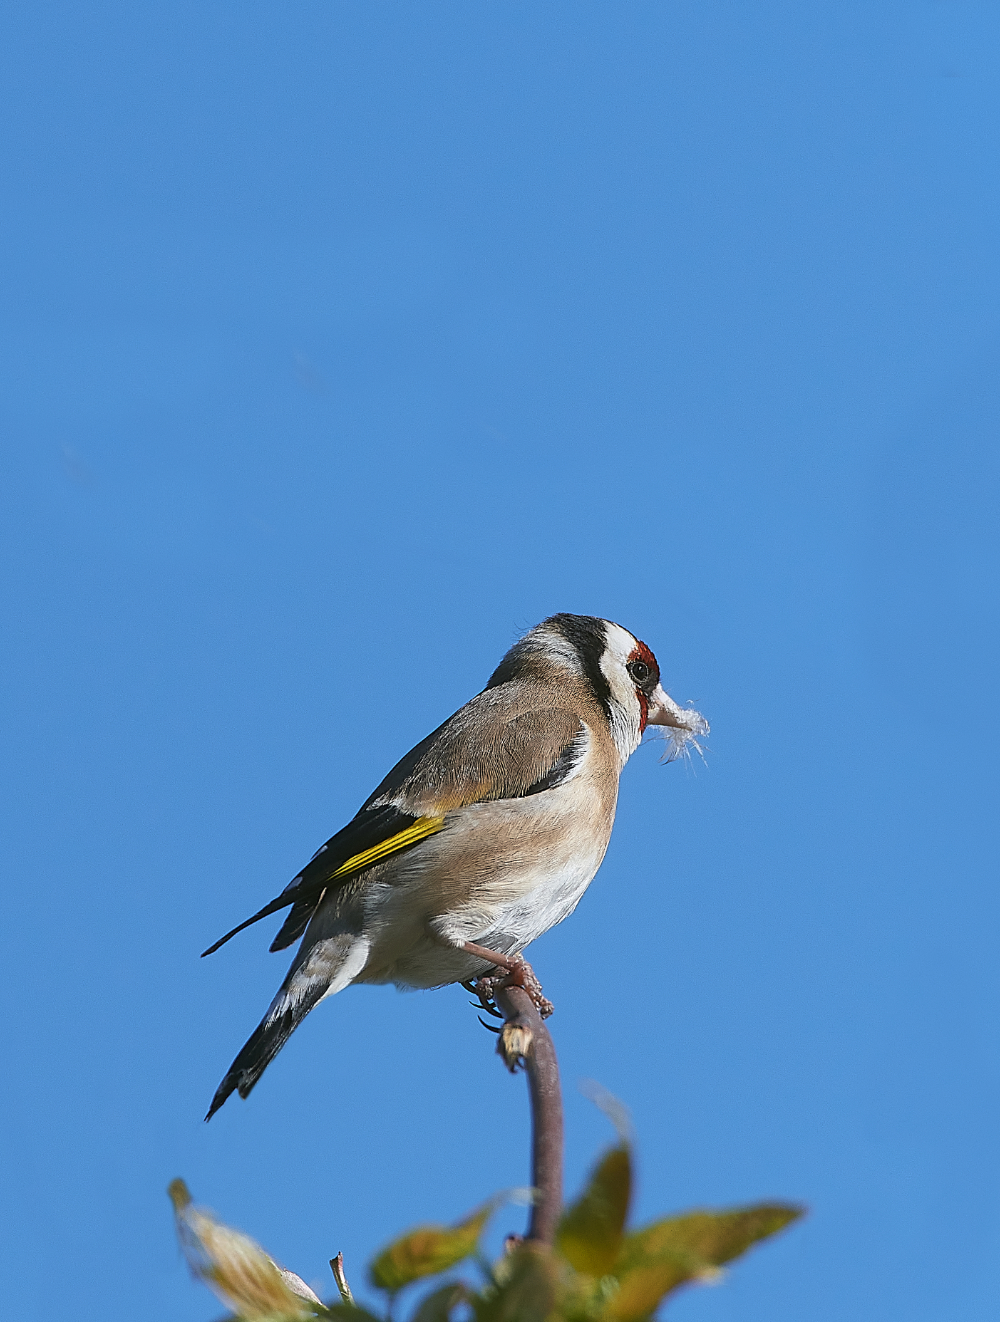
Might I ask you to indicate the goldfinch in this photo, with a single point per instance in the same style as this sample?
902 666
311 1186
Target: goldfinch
480 839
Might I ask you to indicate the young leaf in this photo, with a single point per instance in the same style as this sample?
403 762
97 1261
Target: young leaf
526 1290
644 1284
590 1232
655 1260
235 1266
428 1250
438 1306
715 1237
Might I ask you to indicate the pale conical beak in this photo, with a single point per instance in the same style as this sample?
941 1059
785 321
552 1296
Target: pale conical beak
664 711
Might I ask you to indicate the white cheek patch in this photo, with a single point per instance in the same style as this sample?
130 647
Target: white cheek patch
626 714
621 645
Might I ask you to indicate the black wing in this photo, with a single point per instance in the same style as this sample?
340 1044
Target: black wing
373 834
466 760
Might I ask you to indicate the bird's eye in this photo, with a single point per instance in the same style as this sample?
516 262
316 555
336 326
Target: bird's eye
639 671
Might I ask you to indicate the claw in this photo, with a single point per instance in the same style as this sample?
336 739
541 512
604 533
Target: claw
482 988
478 1005
489 1027
522 976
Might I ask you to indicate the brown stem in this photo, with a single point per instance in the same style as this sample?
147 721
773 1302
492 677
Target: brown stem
525 1037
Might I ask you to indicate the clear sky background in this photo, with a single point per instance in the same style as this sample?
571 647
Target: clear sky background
342 342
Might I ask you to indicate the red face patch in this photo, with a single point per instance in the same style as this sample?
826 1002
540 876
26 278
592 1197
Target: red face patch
645 673
643 711
642 653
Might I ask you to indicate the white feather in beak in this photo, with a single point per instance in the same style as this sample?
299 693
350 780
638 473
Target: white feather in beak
682 725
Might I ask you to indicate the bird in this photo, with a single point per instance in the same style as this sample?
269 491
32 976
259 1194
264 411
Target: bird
478 841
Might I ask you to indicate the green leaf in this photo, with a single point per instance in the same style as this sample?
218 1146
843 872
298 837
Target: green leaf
590 1232
715 1237
438 1306
525 1288
428 1250
235 1267
660 1257
349 1313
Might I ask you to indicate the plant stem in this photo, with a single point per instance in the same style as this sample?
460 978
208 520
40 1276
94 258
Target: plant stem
525 1037
339 1275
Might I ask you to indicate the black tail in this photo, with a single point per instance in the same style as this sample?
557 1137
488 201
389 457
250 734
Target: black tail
296 922
268 909
289 1008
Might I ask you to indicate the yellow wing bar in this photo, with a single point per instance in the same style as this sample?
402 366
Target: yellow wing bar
421 828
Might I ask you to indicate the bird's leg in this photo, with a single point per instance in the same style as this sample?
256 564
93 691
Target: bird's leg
519 974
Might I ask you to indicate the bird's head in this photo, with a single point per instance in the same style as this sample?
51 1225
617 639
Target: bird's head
621 672
637 698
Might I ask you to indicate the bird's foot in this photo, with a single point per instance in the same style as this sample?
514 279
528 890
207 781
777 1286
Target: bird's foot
483 988
519 974
523 975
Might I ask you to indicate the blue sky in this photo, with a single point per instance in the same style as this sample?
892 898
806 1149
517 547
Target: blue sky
345 341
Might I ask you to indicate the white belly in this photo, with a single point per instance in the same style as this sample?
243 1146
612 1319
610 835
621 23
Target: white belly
491 896
547 899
